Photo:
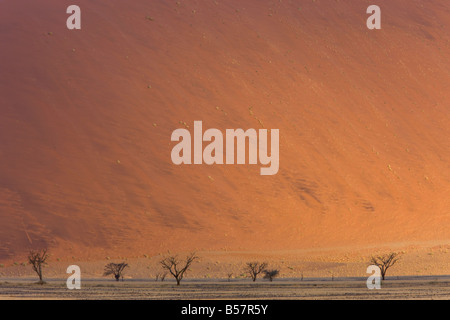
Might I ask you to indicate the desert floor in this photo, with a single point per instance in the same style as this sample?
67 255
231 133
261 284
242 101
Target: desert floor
421 273
425 287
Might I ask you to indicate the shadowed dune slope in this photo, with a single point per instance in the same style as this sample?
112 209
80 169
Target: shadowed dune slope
86 118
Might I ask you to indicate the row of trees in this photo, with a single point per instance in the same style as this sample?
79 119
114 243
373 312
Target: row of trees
178 268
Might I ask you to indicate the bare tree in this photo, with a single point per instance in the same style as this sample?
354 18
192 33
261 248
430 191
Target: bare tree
161 276
255 268
385 262
115 269
271 274
332 275
230 276
38 259
176 267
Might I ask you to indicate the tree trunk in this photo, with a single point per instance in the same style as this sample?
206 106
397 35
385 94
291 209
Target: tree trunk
40 273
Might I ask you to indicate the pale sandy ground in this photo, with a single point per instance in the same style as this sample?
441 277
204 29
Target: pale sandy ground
423 272
341 289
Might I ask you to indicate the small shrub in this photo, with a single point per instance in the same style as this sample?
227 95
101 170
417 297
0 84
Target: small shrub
271 274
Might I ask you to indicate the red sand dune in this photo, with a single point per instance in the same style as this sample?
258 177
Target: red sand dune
86 118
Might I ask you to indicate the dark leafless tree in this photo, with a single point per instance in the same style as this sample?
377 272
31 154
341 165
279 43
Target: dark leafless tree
38 259
115 269
385 262
271 274
176 267
161 276
230 276
255 268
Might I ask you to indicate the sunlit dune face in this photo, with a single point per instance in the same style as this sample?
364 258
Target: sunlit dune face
86 118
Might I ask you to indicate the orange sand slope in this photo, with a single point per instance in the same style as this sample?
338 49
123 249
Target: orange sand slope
86 118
